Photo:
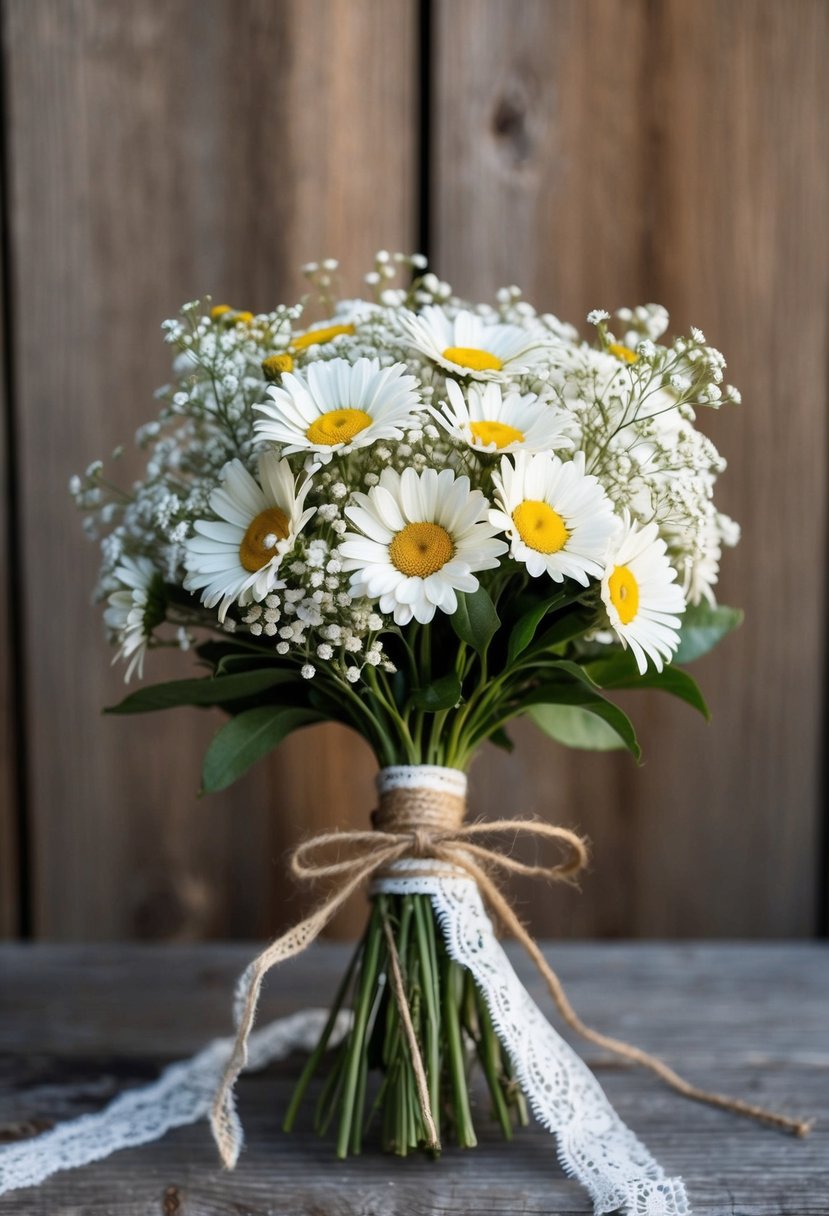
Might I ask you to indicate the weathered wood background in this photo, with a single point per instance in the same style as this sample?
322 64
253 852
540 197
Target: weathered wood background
599 152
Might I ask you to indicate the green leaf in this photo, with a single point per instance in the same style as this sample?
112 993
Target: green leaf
248 737
569 625
501 739
526 626
703 627
211 690
620 671
442 694
571 694
576 727
476 620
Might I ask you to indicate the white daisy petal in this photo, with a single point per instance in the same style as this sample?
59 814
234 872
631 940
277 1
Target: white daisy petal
444 536
236 558
336 406
643 600
131 613
489 421
558 518
467 345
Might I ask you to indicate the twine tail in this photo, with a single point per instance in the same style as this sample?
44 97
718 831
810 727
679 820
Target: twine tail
411 1038
224 1120
796 1127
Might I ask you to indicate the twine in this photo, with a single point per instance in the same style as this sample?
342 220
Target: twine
423 823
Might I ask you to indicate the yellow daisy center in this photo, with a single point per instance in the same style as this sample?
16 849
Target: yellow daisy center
622 352
337 426
499 433
624 593
540 527
259 542
243 318
275 365
324 334
218 311
476 360
419 550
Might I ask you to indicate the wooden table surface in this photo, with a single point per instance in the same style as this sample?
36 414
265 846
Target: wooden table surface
78 1024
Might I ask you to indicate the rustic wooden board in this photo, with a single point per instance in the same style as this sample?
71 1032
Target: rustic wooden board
162 151
612 152
78 1024
10 859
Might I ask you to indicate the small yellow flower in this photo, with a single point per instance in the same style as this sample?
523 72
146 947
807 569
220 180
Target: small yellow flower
324 334
623 352
243 318
275 366
219 311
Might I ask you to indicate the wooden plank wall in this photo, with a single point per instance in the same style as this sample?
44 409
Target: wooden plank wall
598 152
10 859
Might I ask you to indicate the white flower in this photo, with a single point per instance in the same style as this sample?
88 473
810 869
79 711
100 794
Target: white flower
131 614
557 517
338 406
643 600
236 557
468 345
423 537
489 421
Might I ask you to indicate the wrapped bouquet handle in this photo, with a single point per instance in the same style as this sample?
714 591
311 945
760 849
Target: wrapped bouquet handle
421 843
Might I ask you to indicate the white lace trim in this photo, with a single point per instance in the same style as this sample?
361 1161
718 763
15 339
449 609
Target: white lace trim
594 1145
182 1094
422 776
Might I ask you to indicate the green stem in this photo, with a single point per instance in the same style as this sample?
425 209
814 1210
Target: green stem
313 1061
356 1042
452 997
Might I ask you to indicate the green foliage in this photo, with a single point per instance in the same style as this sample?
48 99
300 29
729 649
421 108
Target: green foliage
248 737
576 727
580 697
476 620
703 627
210 690
620 671
444 693
525 629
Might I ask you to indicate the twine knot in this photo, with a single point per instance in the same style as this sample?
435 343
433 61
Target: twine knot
422 822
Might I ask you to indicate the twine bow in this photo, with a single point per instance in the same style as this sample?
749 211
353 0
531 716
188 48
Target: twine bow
428 825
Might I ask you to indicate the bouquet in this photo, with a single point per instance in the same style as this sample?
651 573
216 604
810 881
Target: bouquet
423 518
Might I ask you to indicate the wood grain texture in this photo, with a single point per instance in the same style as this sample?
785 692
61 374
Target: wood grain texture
160 151
9 856
78 1025
609 153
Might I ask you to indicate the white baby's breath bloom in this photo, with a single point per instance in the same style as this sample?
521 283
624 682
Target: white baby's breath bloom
131 613
236 557
643 600
467 345
488 420
338 406
422 538
557 517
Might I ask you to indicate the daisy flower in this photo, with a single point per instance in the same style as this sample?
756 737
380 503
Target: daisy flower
338 406
134 610
236 557
468 345
643 600
422 536
489 421
557 517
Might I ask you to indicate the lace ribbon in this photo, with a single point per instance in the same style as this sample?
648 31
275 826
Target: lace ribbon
594 1146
